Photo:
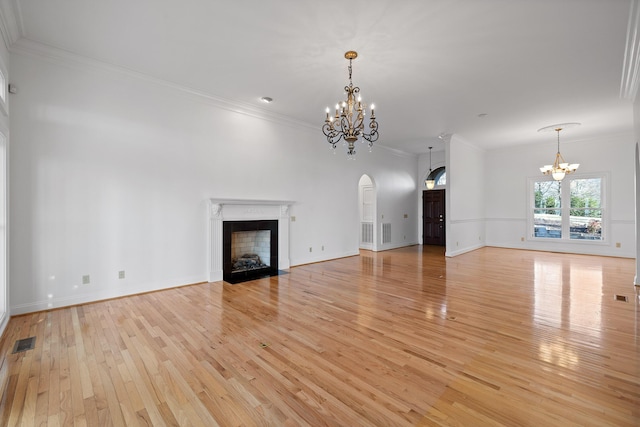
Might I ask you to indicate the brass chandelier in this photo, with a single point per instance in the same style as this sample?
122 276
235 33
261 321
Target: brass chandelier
560 167
348 122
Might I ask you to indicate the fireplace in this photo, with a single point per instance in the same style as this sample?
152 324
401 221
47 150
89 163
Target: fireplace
272 216
249 250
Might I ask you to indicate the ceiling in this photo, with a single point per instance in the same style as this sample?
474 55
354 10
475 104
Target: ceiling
430 66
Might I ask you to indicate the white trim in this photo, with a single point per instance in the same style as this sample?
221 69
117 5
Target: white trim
69 59
467 221
636 164
4 222
104 294
389 246
396 152
314 259
260 202
464 250
631 62
221 210
11 25
613 221
4 88
564 189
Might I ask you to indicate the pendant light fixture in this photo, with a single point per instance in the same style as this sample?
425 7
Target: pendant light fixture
348 122
430 182
560 167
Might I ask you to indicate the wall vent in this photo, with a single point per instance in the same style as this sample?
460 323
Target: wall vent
366 235
621 298
386 232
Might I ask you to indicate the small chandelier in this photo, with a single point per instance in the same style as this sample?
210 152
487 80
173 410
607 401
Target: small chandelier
348 122
430 182
560 167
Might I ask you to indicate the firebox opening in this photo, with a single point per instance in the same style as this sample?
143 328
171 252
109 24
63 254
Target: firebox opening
250 250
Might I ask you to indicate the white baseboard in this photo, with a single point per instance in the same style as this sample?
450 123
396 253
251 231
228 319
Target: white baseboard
463 250
115 291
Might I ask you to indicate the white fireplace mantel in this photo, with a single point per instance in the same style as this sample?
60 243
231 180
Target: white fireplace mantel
221 210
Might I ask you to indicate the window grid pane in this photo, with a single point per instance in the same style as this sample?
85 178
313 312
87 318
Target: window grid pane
547 223
586 224
547 194
586 193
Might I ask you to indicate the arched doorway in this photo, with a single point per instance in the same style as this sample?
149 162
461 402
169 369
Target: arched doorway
367 212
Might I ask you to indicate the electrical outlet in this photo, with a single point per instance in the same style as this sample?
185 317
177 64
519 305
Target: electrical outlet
323 247
86 279
293 218
522 239
618 245
121 274
406 216
310 249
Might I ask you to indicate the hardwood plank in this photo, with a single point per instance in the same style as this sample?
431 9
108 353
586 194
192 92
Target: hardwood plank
493 337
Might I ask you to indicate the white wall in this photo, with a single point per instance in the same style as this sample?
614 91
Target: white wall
465 197
111 172
636 140
396 188
4 222
506 175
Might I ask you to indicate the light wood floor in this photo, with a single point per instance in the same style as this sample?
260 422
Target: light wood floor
405 337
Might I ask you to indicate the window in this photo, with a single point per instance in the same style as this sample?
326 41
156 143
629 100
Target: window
571 209
439 175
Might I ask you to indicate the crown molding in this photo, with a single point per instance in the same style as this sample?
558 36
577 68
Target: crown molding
396 152
631 65
62 57
66 58
11 27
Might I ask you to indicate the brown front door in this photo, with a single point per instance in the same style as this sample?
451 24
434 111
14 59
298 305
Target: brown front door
433 224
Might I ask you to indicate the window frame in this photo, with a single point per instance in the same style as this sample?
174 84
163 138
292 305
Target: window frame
565 209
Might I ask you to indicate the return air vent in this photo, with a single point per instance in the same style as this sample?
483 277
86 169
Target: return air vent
367 232
386 232
24 345
622 298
